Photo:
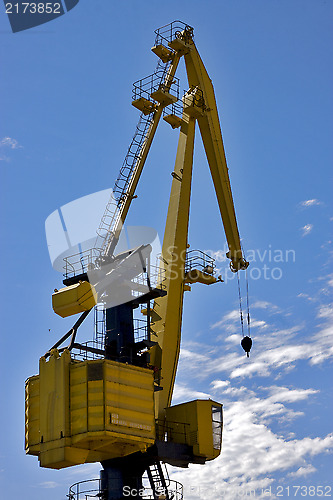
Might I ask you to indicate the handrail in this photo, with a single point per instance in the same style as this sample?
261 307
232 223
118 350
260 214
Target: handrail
169 32
84 491
197 259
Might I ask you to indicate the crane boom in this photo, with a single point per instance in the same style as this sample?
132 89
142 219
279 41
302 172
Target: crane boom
211 134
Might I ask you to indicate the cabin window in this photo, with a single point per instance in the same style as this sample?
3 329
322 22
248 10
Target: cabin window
217 427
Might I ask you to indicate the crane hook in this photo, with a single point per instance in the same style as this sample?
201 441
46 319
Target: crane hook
246 343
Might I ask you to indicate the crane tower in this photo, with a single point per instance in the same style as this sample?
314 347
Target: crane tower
109 400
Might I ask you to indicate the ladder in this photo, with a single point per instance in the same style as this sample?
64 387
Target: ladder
111 220
158 482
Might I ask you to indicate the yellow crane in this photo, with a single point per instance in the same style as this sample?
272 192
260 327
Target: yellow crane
111 402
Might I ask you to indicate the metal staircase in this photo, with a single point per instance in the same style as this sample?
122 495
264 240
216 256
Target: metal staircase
158 482
162 487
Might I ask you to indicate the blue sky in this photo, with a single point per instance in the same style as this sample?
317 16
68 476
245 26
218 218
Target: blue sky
66 124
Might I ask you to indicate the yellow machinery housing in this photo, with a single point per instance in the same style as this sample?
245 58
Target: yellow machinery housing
87 411
74 299
197 424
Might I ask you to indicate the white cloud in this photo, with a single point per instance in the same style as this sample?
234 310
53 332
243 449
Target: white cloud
83 471
275 351
9 143
323 339
49 484
289 395
303 471
251 451
260 437
310 203
182 393
262 304
306 229
305 296
217 384
230 316
325 311
233 339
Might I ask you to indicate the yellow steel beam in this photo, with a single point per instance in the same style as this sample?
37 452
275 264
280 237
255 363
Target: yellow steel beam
210 130
167 313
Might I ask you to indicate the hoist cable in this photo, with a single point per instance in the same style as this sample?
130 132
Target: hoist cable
247 303
240 305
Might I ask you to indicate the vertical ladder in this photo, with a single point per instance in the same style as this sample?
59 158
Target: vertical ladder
99 320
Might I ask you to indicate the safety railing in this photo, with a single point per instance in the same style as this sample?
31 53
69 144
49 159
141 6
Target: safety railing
151 83
155 278
172 432
80 262
169 32
88 351
140 330
90 489
193 98
196 259
173 491
85 490
175 108
95 349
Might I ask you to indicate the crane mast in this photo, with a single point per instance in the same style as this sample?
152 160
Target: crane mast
111 402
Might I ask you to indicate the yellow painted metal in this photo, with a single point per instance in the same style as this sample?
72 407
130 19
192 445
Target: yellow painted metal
88 411
164 97
54 423
193 102
210 129
162 52
144 105
32 438
166 323
192 423
197 276
173 120
180 46
74 299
